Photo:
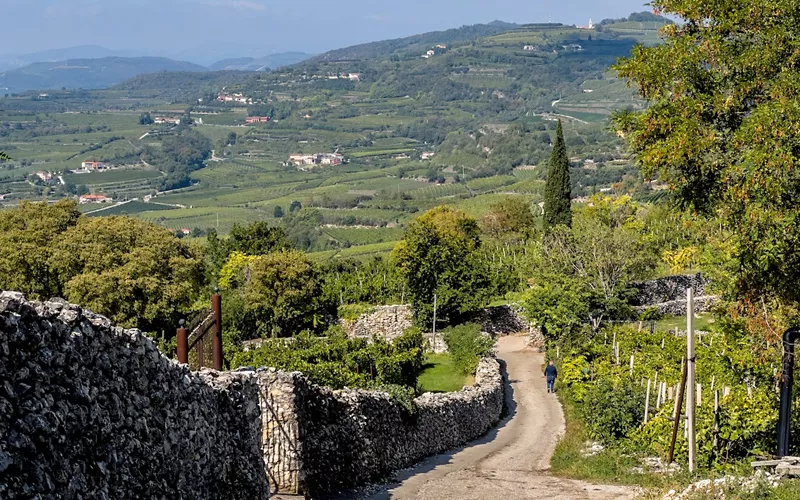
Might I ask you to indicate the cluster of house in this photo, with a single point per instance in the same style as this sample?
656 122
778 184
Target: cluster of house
46 177
572 47
90 166
235 97
303 160
438 49
166 120
257 119
530 48
94 198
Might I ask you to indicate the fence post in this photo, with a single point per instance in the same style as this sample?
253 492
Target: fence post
216 345
183 343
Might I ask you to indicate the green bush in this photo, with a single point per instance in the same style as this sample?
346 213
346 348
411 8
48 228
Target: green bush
612 410
467 346
338 361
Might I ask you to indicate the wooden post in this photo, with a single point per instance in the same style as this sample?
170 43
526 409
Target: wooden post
631 370
216 341
183 344
658 395
690 374
699 395
677 415
716 419
434 321
647 401
617 352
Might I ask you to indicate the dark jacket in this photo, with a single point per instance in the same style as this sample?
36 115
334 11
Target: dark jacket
551 372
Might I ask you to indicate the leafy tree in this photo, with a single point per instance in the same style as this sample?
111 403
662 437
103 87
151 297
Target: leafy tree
146 119
277 212
721 129
583 273
137 274
4 157
439 256
295 206
557 200
258 238
231 139
28 238
283 292
510 217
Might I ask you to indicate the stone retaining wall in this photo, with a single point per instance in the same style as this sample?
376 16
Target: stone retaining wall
389 322
89 410
338 439
668 289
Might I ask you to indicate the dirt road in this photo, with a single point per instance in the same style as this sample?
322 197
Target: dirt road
512 461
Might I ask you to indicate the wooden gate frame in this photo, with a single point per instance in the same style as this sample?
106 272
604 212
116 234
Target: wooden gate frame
203 324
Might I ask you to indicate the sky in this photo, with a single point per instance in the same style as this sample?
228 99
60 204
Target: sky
206 29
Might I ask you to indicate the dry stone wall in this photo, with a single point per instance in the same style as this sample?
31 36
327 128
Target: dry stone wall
668 294
338 439
88 410
387 322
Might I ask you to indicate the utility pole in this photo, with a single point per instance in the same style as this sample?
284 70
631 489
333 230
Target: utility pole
690 373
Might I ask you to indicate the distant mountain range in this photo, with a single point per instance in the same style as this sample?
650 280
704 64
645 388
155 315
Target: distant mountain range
87 73
93 67
271 61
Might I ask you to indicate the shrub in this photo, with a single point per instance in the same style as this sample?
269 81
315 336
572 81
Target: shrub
612 410
467 346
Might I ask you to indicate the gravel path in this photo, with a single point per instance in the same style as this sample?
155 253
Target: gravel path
512 461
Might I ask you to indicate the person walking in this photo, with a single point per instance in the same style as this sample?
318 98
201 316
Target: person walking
551 373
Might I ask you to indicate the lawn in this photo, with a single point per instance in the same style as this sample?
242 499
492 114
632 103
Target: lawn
440 375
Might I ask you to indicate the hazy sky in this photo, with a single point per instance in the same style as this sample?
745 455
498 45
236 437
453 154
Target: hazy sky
257 27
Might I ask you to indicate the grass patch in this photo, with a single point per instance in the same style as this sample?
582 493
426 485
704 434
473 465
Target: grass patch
441 375
351 312
701 322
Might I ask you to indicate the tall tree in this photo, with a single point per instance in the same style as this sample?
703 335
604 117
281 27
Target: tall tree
557 199
439 256
722 129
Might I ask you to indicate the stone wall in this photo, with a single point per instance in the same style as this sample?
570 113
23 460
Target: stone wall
668 289
668 294
89 410
338 439
388 322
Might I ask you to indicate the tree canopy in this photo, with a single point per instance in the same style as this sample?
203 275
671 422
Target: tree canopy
137 274
557 191
722 128
439 256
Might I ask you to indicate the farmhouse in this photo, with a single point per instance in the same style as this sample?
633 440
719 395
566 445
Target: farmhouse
235 97
354 77
300 160
94 198
46 177
427 155
257 119
166 120
93 165
530 48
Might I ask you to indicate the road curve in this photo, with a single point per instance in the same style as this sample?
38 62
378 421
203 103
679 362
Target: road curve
513 460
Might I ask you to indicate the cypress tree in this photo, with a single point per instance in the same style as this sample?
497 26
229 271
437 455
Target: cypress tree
557 204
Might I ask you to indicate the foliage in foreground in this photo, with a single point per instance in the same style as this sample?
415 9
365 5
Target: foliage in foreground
611 401
721 129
